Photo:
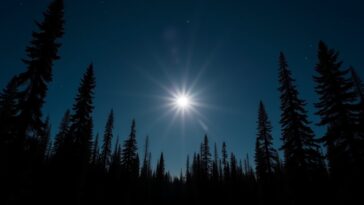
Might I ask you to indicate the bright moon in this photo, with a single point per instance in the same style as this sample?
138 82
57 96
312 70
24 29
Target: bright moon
183 101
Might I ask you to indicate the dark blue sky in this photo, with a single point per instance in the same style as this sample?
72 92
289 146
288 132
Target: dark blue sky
224 51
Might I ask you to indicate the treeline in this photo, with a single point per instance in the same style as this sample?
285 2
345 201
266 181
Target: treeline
78 168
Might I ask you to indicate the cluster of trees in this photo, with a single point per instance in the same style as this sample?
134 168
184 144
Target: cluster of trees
77 167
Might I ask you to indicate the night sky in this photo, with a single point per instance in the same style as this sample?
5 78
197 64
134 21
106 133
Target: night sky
225 53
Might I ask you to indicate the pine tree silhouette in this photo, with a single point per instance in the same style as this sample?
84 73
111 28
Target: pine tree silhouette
265 155
80 137
62 133
108 135
225 162
335 109
129 160
8 111
160 170
95 156
215 165
34 82
301 150
205 158
146 171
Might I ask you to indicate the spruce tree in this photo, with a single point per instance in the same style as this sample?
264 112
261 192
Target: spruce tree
359 91
80 137
205 157
9 151
63 132
160 170
8 111
95 156
129 158
146 170
115 165
33 83
215 164
265 154
108 135
336 112
301 150
225 162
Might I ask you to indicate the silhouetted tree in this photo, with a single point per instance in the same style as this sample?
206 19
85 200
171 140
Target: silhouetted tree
160 170
33 83
146 170
129 158
8 111
335 109
62 134
80 137
115 165
95 156
9 151
108 135
301 150
205 158
188 171
359 90
265 155
225 162
44 140
215 165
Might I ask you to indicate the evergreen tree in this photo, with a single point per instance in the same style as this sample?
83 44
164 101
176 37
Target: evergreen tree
188 171
33 83
8 111
108 135
302 155
146 170
265 154
44 140
336 112
115 165
80 138
215 164
95 156
205 157
62 134
129 158
160 171
225 162
233 167
359 90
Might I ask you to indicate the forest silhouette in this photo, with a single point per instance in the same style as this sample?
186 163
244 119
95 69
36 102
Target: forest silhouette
77 167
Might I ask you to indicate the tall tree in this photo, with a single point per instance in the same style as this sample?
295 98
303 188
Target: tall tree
63 132
95 156
335 109
129 158
160 171
225 162
8 111
146 170
115 165
301 150
81 120
108 135
44 140
9 152
359 90
205 157
33 83
215 165
265 155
